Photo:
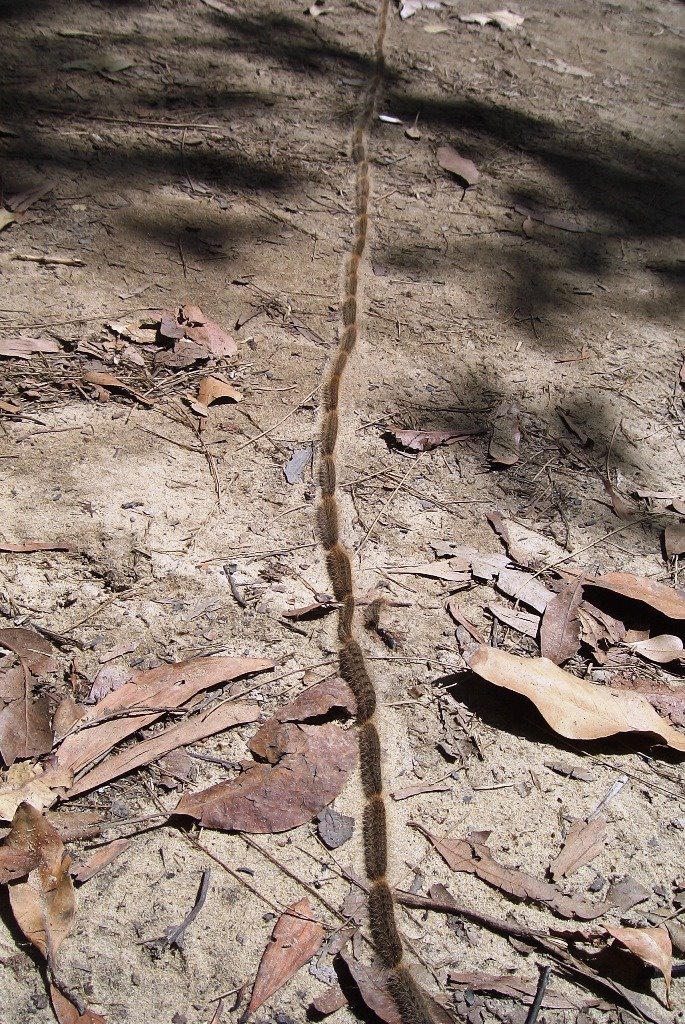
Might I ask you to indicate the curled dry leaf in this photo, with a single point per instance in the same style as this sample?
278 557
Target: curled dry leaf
575 708
27 783
525 622
506 435
213 389
463 168
584 842
313 765
43 905
652 946
474 856
506 20
315 702
660 649
102 379
296 937
665 699
560 627
372 985
657 595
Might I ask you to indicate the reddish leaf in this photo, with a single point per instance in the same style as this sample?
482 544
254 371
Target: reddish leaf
657 595
516 988
34 545
296 937
43 905
100 859
24 348
426 440
560 626
102 379
33 649
372 985
67 1013
314 764
314 702
652 946
25 728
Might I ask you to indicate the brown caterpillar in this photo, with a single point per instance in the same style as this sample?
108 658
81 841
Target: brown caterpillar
412 1006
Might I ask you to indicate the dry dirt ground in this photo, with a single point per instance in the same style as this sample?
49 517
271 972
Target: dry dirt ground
206 162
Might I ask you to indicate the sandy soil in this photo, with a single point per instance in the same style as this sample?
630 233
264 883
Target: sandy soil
245 211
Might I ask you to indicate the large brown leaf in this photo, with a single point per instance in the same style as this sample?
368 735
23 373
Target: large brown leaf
25 726
296 937
657 595
652 946
44 904
194 728
67 1013
314 763
371 982
575 708
474 856
137 703
34 650
585 840
314 702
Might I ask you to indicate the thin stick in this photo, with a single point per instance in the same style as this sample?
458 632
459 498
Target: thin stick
411 469
539 995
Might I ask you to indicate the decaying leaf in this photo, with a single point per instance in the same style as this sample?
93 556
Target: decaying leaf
425 440
506 435
674 540
102 379
525 622
314 702
43 905
330 1001
27 783
462 168
451 572
560 627
294 468
584 842
334 828
34 545
207 333
99 859
371 982
138 702
296 937
67 1013
313 764
24 348
524 587
657 595
665 699
506 20
474 856
515 988
25 728
194 728
571 771
575 708
459 617
660 649
34 650
652 946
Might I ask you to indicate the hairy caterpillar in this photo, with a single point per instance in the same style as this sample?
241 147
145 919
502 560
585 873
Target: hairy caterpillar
412 1005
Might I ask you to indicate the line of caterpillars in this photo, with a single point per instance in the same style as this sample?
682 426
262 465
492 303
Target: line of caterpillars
411 1003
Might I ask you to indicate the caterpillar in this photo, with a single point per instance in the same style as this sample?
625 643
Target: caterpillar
412 1004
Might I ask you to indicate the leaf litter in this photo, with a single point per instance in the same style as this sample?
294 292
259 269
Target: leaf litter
296 937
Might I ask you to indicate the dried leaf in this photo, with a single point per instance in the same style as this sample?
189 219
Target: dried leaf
34 545
515 988
330 1001
463 168
34 650
425 440
571 771
405 794
24 348
192 729
297 463
213 389
334 828
562 68
475 857
560 627
100 859
102 379
657 595
627 893
434 30
525 622
68 713
506 435
412 132
314 610
524 587
575 708
451 572
372 985
214 339
652 946
314 702
6 218
314 764
296 937
67 1013
506 20
169 686
27 783
669 701
43 905
460 618
674 540
584 842
25 728
574 427
660 649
